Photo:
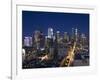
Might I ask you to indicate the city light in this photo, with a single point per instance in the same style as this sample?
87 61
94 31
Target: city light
55 49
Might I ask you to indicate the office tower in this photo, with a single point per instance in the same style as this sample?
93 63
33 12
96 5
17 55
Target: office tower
66 37
51 52
73 34
42 40
28 41
83 39
46 40
58 36
36 36
50 32
76 34
37 39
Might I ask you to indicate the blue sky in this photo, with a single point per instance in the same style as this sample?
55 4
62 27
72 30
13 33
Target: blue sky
63 22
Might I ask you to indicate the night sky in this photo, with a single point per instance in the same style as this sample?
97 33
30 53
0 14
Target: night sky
63 22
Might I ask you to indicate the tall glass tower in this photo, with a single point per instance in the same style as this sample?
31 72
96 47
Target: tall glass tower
28 41
76 34
50 32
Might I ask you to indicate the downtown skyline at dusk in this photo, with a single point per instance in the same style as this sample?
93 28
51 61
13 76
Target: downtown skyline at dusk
54 39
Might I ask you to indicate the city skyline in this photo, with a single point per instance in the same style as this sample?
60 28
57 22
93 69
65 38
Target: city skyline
32 20
52 39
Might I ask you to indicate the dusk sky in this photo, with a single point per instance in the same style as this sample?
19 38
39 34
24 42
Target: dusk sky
63 22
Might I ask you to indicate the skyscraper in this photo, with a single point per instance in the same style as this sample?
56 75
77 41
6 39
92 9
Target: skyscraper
83 38
66 37
50 32
73 34
36 35
58 36
37 38
46 38
76 34
28 41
